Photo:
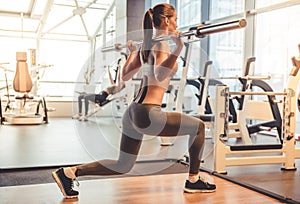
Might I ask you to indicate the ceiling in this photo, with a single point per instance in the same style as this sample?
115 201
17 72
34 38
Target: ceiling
53 19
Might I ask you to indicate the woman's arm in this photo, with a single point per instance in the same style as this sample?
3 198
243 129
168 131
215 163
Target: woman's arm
133 63
120 82
165 62
110 77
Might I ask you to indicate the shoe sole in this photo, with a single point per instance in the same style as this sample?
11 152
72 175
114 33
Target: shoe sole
187 190
57 180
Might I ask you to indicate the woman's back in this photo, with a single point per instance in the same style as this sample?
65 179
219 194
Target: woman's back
152 88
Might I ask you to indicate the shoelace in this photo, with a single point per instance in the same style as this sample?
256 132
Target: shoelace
204 181
76 183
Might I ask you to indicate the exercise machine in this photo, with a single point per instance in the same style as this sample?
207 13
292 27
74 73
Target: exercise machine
246 108
284 153
119 99
23 112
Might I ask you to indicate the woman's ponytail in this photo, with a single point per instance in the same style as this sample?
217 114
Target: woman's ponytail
153 18
148 33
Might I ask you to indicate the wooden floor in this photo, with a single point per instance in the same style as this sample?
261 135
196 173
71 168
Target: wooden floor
156 189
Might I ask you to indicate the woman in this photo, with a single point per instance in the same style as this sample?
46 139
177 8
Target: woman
101 98
144 115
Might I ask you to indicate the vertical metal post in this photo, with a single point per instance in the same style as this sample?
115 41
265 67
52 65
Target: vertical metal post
220 128
182 83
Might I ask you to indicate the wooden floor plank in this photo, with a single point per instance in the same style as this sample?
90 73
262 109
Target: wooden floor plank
156 189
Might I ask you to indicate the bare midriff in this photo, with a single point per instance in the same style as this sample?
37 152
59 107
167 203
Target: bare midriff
154 95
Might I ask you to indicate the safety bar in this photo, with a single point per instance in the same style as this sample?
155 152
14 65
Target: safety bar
259 93
239 77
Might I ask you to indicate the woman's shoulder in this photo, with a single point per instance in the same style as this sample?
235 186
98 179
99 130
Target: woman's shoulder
161 46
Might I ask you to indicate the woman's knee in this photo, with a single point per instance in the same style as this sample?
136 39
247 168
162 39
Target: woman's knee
201 126
124 167
201 129
87 99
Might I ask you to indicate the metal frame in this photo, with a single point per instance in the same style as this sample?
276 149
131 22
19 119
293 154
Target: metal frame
251 153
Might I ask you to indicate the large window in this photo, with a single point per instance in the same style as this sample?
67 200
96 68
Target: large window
277 38
226 48
62 35
66 59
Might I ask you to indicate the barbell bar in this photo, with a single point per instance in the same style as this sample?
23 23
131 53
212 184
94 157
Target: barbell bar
198 31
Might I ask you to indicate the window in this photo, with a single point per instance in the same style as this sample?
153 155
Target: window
223 8
226 52
60 36
68 59
189 12
226 48
277 39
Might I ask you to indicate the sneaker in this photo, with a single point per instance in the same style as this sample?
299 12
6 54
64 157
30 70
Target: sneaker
83 118
76 116
200 186
65 183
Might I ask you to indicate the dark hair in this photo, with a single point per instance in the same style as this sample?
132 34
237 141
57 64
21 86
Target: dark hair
153 18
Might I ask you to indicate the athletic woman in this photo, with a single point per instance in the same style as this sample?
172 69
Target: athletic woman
144 115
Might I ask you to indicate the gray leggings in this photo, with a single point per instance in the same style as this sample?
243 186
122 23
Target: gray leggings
148 119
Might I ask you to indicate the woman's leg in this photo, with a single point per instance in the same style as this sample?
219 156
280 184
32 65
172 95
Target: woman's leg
182 124
129 148
87 98
127 157
149 119
80 97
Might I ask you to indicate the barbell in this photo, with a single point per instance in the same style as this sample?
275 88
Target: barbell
199 31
